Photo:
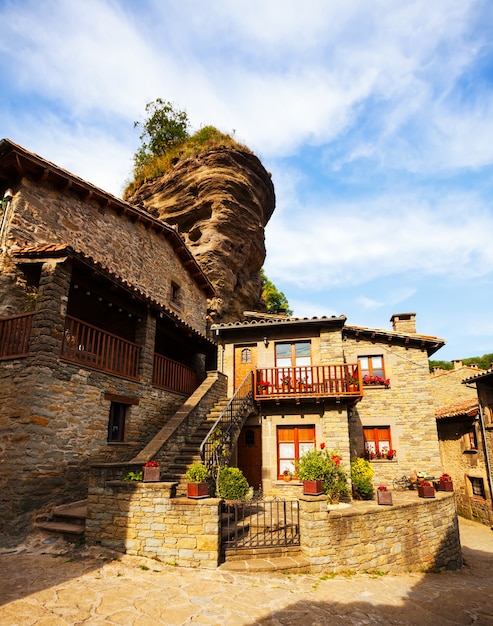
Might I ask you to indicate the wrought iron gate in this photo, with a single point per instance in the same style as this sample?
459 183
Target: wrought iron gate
261 524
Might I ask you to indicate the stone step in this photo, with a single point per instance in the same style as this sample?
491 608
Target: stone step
65 528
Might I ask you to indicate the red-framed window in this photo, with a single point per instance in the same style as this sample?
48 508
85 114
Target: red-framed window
292 443
378 442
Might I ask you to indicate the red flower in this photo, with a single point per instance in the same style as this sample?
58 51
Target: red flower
322 446
382 488
151 464
337 459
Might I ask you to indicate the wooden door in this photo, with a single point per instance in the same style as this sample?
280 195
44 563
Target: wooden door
245 361
250 454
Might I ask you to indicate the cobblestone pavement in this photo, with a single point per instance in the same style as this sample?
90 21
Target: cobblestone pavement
48 584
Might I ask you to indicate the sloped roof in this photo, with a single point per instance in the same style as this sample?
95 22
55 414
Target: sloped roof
429 342
464 408
50 251
16 161
480 376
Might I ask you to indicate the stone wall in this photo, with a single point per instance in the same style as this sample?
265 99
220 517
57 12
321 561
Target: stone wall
406 407
419 534
142 519
447 387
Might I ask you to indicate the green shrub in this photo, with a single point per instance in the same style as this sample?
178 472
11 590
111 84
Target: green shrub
324 465
133 476
362 478
197 473
231 484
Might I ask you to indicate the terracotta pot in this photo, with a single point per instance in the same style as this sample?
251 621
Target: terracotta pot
384 497
198 490
151 474
426 491
287 478
313 487
445 485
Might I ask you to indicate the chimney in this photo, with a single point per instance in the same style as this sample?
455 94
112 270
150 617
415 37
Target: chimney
457 364
404 322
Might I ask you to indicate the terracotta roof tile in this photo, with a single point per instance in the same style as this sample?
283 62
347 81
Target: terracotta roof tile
465 407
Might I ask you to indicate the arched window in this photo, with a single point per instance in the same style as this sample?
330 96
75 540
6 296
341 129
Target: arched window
246 355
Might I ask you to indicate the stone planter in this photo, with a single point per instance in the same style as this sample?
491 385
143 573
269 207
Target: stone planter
151 474
384 497
198 490
313 487
445 485
426 491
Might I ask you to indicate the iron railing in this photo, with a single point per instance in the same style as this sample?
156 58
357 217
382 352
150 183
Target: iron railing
264 524
170 374
218 446
89 345
15 332
316 381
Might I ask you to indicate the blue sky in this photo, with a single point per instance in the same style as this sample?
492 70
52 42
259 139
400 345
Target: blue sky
375 120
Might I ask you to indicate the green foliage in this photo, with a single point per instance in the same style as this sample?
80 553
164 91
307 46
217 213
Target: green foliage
197 473
164 128
361 477
231 484
324 465
166 139
133 476
483 362
274 299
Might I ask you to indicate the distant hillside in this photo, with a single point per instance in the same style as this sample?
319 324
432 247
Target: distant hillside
483 362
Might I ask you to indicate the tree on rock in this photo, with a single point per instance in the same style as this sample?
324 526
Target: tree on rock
274 299
163 129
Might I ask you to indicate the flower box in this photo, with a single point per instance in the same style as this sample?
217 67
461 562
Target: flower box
384 497
151 474
426 491
198 490
313 487
445 485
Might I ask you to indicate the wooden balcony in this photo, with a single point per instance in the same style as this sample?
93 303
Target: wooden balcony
172 375
91 346
314 381
15 332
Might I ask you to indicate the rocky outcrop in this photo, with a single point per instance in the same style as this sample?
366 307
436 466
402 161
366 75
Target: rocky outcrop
220 201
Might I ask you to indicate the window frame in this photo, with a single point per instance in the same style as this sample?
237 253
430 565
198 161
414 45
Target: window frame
288 462
378 452
476 483
371 369
175 295
117 422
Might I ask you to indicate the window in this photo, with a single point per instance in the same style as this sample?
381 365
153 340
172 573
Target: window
246 355
293 354
470 439
477 487
292 443
116 423
378 444
175 295
371 366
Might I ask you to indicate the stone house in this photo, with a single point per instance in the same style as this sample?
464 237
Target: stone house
360 391
462 439
103 332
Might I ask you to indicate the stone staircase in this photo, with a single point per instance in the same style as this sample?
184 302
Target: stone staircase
67 519
174 469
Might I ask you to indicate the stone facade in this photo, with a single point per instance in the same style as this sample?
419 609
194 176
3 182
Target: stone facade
404 406
72 252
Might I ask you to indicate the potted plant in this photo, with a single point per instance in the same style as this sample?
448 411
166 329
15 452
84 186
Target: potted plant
321 472
151 472
426 489
384 496
362 479
286 475
445 483
197 476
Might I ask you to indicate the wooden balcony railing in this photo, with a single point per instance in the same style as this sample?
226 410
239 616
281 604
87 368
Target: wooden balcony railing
15 332
314 381
89 345
170 374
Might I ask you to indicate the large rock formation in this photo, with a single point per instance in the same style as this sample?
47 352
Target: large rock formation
220 201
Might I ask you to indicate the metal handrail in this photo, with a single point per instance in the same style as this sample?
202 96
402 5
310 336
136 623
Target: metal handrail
218 445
